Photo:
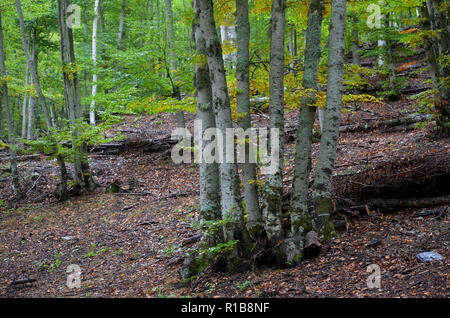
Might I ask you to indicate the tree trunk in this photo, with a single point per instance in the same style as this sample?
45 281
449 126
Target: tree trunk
83 177
273 190
232 213
440 44
300 218
328 143
34 66
254 218
24 105
172 60
94 60
9 120
121 34
209 172
356 60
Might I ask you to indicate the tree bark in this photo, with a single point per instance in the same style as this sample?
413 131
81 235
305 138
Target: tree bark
94 60
172 60
300 218
328 143
209 172
34 66
273 190
83 177
254 218
24 105
231 207
121 34
9 120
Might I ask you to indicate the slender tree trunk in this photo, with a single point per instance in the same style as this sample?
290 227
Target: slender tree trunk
254 218
9 120
231 207
273 190
34 66
121 34
187 30
31 112
390 60
172 60
94 60
101 17
355 42
83 177
328 143
300 217
209 172
440 45
85 76
24 105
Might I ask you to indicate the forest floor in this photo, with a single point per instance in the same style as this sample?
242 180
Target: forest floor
127 244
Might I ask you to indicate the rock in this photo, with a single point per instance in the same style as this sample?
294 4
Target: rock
68 238
429 256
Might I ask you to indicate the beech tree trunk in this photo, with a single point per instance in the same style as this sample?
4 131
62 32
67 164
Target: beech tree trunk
9 120
209 172
82 175
172 60
273 190
121 34
254 218
231 207
328 143
34 66
94 60
300 217
437 48
24 105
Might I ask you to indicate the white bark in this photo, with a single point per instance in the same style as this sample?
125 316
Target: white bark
329 140
9 119
300 217
234 229
273 189
94 60
24 105
34 67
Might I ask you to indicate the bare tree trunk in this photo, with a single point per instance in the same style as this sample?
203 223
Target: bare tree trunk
172 60
187 30
328 143
85 76
300 217
209 172
24 105
355 42
232 213
9 120
273 190
83 177
440 45
34 66
121 34
94 60
254 218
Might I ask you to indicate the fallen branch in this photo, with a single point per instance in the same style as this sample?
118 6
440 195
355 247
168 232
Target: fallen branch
23 281
384 124
125 208
393 204
192 239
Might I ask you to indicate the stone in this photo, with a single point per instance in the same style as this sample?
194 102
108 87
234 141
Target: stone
429 256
